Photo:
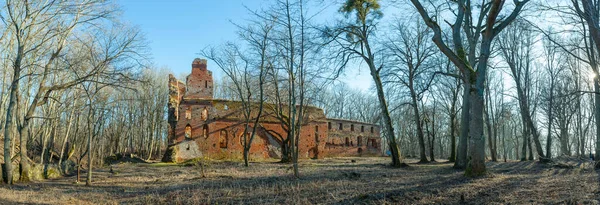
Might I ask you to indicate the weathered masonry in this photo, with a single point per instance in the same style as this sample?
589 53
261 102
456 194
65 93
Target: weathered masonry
200 126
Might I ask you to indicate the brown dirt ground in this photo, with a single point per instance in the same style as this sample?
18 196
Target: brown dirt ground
329 181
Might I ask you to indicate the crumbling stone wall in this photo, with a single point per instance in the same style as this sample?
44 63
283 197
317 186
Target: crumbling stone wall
216 127
352 138
176 93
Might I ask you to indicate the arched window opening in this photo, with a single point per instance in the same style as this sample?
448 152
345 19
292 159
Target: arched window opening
341 127
223 139
359 141
206 84
188 131
317 128
362 128
352 127
347 141
188 114
372 130
205 131
204 114
244 137
329 125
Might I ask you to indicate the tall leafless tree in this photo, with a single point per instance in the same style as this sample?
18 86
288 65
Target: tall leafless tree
412 50
480 32
354 39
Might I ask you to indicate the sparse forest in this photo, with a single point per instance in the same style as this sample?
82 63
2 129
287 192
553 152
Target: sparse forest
488 101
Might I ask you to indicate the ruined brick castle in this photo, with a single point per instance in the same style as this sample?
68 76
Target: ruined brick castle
200 126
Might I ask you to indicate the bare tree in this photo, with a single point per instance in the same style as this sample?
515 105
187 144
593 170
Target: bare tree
286 73
412 51
353 40
479 32
491 112
448 91
588 11
516 47
43 29
554 68
236 66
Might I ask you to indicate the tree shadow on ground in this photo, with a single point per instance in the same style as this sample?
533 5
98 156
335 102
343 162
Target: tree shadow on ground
517 178
7 201
434 194
533 167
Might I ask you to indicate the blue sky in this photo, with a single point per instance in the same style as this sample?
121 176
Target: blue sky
178 29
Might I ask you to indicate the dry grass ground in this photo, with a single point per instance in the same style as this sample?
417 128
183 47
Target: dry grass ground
329 181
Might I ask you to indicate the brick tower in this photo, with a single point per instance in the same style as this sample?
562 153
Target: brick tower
200 81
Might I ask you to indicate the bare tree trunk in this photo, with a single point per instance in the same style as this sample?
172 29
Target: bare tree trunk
387 120
417 118
453 131
580 140
14 90
432 143
476 164
7 127
597 114
504 155
525 142
495 141
579 119
285 153
550 119
24 163
64 143
88 181
461 157
530 149
44 135
78 170
516 141
489 125
452 157
431 140
150 147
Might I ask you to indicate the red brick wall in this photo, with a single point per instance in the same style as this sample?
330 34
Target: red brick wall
264 145
336 145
